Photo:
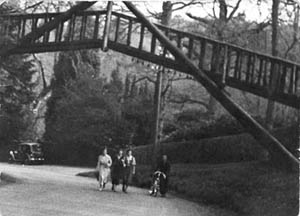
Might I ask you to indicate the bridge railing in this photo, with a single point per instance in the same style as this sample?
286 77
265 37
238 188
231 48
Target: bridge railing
77 28
258 73
229 65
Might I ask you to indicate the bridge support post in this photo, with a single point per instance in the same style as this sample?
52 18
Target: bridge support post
256 130
107 26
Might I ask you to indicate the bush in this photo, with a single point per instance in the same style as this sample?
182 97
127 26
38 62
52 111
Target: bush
225 149
194 125
190 127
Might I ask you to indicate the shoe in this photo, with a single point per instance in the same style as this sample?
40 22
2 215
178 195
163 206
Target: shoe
100 189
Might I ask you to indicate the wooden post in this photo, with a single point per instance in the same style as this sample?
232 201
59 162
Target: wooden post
257 131
142 37
96 28
191 46
153 44
23 27
129 32
226 57
117 28
83 27
202 54
107 26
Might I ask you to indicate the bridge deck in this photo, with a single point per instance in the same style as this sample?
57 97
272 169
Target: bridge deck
226 64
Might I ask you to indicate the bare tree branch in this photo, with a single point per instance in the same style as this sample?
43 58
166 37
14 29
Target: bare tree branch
34 6
182 5
200 19
233 11
214 12
144 78
42 70
156 15
257 29
295 31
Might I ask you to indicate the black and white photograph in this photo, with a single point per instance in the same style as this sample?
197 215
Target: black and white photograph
145 108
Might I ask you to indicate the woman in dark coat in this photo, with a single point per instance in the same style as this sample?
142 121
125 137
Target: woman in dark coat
165 167
117 169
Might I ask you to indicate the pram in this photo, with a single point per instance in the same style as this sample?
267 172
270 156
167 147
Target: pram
156 182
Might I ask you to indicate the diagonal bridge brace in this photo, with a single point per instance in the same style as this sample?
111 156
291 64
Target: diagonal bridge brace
40 31
265 138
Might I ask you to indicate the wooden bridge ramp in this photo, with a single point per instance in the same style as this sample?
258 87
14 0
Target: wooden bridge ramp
213 63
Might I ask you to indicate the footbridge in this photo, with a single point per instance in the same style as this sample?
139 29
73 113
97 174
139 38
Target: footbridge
215 64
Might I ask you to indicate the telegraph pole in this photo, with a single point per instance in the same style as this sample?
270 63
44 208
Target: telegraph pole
156 131
156 150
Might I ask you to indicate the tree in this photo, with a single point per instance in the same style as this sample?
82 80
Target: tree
85 118
16 95
271 104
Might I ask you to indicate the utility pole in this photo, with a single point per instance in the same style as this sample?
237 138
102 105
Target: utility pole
156 131
156 150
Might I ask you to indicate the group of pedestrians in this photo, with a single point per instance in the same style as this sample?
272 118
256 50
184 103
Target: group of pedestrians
122 167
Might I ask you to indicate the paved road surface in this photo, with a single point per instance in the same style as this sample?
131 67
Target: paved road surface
53 190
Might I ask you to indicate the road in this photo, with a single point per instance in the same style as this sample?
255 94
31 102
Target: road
55 190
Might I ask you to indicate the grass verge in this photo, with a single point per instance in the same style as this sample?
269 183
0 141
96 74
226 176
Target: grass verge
247 189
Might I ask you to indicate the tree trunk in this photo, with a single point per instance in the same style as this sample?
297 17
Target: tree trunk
271 103
221 21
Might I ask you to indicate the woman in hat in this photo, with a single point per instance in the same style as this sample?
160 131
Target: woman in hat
103 166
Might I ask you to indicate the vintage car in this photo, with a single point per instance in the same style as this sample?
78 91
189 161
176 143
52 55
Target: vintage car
27 153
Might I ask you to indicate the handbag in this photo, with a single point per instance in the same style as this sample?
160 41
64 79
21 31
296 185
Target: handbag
97 175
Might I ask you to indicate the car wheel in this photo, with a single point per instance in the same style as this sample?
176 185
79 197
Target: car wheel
27 161
10 160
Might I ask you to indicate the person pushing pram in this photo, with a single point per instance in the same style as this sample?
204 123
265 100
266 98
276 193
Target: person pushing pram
160 178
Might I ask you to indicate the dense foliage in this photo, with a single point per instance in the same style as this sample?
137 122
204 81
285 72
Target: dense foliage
87 112
16 87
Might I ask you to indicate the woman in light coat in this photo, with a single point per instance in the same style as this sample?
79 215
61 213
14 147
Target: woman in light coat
103 166
129 169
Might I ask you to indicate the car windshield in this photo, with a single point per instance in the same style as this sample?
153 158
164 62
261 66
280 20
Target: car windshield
36 148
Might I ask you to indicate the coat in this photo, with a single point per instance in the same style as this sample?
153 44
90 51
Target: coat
103 166
118 167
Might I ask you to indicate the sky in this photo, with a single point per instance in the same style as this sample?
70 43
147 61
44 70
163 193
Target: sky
252 11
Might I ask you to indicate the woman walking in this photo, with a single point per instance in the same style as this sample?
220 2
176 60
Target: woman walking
103 166
129 170
117 169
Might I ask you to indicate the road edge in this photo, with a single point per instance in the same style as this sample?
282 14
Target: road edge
4 176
